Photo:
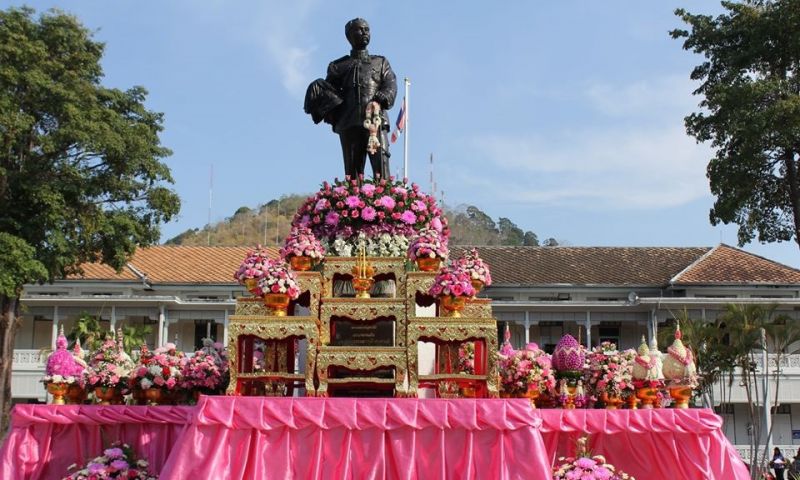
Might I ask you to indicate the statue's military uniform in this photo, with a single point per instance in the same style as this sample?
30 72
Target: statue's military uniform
360 78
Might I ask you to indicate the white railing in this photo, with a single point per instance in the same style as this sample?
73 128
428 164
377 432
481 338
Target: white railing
28 360
787 362
788 451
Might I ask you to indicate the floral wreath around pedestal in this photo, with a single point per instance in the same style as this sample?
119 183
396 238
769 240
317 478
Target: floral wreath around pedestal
428 243
278 278
340 211
301 242
452 280
116 462
476 267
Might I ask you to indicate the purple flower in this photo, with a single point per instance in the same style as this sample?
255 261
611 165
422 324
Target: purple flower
113 453
352 201
96 468
586 463
340 190
120 465
332 218
436 224
322 204
408 217
368 213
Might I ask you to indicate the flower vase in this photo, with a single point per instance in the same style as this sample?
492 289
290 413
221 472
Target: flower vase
612 402
75 395
633 402
533 396
277 303
301 263
108 395
427 264
477 285
468 391
251 284
137 395
681 394
648 396
569 402
57 390
154 396
453 305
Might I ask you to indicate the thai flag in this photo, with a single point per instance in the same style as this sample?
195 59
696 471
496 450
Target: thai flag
400 124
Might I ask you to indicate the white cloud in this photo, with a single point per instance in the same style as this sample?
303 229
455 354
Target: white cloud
617 169
668 95
281 29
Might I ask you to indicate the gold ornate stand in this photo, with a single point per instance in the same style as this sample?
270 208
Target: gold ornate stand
361 368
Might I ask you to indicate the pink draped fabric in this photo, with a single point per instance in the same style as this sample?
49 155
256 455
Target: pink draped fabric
46 439
685 444
370 438
265 438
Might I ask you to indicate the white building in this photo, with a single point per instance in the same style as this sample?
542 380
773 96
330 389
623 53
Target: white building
593 293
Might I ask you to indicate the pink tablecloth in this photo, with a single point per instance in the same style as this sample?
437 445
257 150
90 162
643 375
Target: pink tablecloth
368 438
686 444
240 437
46 439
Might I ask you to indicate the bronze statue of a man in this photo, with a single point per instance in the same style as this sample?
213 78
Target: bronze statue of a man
353 83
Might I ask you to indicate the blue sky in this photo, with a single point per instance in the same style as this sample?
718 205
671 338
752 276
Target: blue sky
566 117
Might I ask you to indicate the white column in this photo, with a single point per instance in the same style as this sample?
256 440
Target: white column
650 335
225 330
161 318
55 328
113 318
208 328
588 327
527 328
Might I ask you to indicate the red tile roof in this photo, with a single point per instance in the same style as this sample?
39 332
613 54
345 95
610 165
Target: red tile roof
529 266
728 265
585 265
174 264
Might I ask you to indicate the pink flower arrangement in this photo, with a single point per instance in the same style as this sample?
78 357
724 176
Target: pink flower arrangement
428 243
301 242
207 369
452 280
278 278
477 268
610 371
161 369
62 367
466 358
116 462
585 466
526 369
253 266
109 366
373 207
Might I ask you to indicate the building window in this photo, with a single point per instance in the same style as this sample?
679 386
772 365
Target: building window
608 333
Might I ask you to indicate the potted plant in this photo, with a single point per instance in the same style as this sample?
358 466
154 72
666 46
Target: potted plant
116 462
279 286
62 371
252 269
478 269
610 374
158 374
584 465
108 371
452 286
206 371
428 249
526 373
302 248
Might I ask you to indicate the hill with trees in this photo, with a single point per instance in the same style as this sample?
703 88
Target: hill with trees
268 224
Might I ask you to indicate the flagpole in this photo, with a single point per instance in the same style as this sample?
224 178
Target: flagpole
405 136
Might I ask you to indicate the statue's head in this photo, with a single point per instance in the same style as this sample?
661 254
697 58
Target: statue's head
357 33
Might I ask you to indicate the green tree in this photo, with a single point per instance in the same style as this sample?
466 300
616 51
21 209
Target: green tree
750 113
88 330
530 239
510 233
81 177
